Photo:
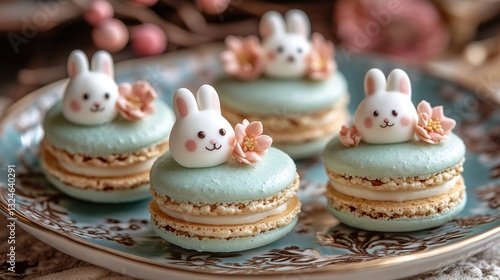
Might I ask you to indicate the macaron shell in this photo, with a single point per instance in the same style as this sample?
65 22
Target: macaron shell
395 209
281 96
407 159
52 168
213 238
224 245
398 224
397 216
100 196
117 137
224 183
100 190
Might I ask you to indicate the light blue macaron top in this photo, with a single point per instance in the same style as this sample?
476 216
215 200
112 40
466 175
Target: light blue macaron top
281 96
117 137
407 159
224 183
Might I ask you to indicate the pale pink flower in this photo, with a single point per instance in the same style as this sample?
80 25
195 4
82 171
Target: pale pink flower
349 136
135 101
412 30
250 144
320 63
432 125
244 57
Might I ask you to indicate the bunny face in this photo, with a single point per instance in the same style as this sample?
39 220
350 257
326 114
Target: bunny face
386 114
90 96
286 50
201 136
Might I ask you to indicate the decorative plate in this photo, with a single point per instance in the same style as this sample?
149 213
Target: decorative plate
120 238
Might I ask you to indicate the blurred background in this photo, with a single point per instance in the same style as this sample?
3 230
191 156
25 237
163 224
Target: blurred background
459 39
455 39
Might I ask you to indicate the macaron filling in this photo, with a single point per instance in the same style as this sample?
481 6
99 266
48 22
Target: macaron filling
225 219
109 171
400 195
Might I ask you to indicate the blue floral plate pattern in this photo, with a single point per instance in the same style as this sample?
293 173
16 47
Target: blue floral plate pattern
318 247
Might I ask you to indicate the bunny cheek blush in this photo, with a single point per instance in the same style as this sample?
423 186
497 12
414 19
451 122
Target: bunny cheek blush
398 168
232 192
288 81
96 146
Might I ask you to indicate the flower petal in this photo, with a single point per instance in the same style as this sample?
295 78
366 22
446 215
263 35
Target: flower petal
424 107
238 151
448 124
252 157
437 113
233 43
263 143
239 133
255 128
422 132
423 119
125 89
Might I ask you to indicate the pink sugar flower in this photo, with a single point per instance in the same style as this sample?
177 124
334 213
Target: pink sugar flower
432 125
349 136
250 144
135 101
244 57
320 60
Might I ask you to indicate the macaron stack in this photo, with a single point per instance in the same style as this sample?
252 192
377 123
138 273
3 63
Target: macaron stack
101 140
205 200
397 168
289 82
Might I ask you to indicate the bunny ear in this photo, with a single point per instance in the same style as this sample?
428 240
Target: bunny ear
208 99
298 22
103 62
184 103
77 63
271 23
374 81
399 81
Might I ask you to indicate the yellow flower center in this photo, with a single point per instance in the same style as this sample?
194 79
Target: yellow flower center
134 102
244 59
434 125
318 63
249 143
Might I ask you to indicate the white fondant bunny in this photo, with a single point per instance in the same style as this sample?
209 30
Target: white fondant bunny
90 96
386 114
286 48
201 136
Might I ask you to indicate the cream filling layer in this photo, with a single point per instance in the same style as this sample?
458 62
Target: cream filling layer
110 171
224 220
395 195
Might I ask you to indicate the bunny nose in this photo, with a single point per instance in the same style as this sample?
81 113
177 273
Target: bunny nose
386 120
213 141
97 105
290 58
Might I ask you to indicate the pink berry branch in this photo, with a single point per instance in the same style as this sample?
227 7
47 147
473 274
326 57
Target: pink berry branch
150 37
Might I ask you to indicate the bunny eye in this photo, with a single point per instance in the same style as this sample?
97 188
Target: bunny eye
86 96
394 112
375 113
279 49
299 50
106 96
222 131
201 134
